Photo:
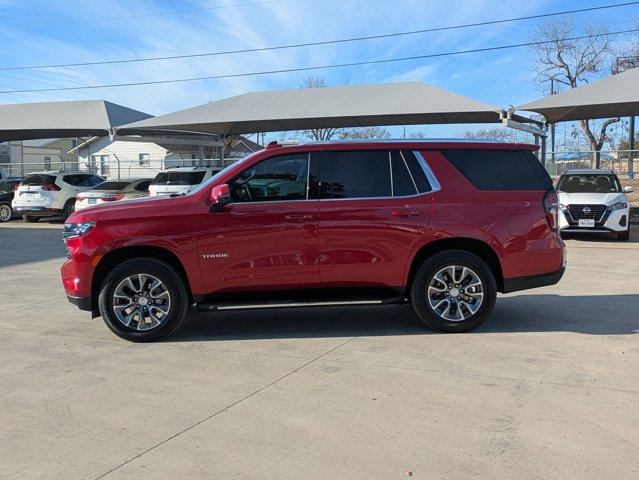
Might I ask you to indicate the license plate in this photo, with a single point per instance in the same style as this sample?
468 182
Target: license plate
93 201
587 223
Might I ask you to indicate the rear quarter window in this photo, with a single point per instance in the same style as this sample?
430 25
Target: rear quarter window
500 169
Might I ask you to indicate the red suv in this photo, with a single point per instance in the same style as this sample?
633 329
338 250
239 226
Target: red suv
444 225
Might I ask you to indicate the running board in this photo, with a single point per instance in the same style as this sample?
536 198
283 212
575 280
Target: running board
214 307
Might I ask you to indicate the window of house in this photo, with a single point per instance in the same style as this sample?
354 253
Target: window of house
47 163
104 164
93 164
144 159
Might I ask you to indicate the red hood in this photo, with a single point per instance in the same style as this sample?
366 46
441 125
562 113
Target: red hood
127 209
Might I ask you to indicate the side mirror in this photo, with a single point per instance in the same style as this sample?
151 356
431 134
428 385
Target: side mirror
219 198
628 189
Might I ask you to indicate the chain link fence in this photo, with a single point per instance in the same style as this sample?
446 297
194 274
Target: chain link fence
110 167
625 164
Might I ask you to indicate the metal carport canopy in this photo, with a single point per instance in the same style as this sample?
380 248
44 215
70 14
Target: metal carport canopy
615 96
407 103
27 121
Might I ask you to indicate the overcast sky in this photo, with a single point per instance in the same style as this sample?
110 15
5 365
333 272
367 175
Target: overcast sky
44 32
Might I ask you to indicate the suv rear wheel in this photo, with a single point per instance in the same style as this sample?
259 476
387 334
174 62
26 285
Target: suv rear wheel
454 291
143 300
5 212
68 209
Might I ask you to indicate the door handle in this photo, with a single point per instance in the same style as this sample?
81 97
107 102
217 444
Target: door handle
405 213
298 217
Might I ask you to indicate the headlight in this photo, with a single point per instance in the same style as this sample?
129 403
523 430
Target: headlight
72 230
562 206
618 206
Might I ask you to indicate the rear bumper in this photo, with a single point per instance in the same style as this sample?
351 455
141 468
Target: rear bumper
533 281
83 303
36 211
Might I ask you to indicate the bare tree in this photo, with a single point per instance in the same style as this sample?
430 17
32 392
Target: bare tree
498 135
367 133
230 142
571 63
416 134
319 134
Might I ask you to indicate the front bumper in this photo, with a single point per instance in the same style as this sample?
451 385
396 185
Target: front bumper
83 303
612 221
533 281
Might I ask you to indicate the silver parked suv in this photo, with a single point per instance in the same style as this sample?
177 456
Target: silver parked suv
593 201
50 194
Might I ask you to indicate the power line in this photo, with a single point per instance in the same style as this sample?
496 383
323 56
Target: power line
152 14
324 42
318 67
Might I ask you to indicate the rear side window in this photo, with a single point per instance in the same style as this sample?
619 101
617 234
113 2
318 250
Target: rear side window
403 183
36 180
179 178
497 169
416 172
356 174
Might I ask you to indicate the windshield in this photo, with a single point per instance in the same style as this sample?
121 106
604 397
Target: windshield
218 174
179 178
582 183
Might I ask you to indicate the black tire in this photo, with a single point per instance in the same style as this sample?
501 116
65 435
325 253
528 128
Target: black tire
30 218
624 236
425 274
5 212
148 266
68 209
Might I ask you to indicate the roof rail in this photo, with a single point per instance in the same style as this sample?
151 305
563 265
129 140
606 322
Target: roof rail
282 143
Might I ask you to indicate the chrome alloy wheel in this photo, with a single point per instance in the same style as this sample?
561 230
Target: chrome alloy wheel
5 213
141 302
455 293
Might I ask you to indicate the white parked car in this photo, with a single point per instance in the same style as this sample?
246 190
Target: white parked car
180 180
593 201
50 194
113 191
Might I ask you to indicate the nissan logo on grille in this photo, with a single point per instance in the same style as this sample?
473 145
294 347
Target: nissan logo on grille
586 210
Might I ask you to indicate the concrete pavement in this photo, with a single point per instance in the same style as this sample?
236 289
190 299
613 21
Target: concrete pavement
547 388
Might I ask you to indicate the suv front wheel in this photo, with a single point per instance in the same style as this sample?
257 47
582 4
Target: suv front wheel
143 300
454 291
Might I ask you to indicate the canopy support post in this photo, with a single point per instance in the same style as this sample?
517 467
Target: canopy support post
543 149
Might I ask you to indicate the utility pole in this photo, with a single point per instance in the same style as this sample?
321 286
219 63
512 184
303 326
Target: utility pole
552 125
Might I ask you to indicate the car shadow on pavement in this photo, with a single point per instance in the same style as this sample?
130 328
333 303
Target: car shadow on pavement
593 315
603 237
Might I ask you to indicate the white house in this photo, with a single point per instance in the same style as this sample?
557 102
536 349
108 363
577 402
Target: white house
133 158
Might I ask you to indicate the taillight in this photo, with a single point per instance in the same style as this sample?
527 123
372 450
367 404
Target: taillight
52 187
113 198
15 187
551 207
